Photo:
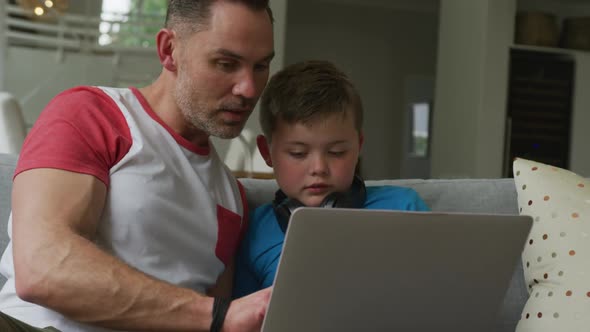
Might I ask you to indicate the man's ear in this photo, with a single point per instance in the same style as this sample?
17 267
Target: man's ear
166 42
264 149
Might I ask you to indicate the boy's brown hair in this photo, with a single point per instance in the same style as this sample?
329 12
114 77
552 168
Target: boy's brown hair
305 91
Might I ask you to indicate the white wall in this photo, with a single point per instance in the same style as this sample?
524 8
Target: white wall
378 48
34 76
471 84
491 122
3 45
579 155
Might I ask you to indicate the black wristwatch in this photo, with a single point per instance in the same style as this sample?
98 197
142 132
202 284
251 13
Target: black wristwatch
220 306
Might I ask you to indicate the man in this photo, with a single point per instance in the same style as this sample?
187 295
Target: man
123 216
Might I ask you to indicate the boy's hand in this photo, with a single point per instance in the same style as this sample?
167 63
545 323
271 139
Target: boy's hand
247 313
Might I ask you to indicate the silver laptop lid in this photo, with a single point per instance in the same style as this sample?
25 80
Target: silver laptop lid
368 270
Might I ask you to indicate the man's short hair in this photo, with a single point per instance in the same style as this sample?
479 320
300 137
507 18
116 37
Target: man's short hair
306 91
189 16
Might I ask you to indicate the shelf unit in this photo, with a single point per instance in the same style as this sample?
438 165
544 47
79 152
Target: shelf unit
545 49
539 112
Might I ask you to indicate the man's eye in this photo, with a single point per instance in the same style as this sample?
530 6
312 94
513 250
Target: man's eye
261 67
227 65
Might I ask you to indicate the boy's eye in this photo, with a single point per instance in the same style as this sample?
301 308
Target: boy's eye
297 154
338 153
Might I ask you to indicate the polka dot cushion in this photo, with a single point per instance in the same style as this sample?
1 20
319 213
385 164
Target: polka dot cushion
556 257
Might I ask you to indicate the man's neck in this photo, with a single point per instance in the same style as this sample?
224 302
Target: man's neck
161 99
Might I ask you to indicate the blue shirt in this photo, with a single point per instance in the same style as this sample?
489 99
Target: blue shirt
259 253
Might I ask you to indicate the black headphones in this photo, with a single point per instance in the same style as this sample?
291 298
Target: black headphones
354 198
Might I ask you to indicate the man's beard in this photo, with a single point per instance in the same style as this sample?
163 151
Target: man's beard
198 116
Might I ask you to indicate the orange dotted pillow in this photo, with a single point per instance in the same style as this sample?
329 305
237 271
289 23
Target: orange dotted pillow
556 257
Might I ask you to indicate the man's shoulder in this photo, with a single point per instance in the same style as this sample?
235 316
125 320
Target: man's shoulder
83 91
85 108
80 99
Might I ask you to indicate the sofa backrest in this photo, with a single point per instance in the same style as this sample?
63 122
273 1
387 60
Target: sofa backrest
457 195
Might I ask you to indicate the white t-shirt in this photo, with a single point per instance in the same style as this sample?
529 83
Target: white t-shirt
173 209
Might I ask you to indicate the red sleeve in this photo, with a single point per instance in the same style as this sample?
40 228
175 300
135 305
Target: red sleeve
81 130
246 218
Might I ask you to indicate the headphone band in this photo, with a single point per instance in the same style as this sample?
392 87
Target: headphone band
354 198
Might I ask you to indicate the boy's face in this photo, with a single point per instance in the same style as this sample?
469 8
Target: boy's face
314 159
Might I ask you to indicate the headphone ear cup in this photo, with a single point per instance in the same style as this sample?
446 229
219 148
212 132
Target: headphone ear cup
283 214
354 198
283 207
334 200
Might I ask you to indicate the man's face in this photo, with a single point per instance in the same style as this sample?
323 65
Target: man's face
223 69
315 159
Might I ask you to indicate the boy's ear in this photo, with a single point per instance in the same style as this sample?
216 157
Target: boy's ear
264 149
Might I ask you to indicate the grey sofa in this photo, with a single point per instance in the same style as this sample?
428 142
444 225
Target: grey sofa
459 195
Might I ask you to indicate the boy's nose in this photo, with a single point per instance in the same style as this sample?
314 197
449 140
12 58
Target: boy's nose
319 166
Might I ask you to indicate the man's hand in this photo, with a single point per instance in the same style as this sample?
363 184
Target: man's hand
246 314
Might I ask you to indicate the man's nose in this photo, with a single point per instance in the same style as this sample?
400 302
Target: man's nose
246 85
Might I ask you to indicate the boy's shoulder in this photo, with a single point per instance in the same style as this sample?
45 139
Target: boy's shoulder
263 230
262 220
390 191
261 214
393 197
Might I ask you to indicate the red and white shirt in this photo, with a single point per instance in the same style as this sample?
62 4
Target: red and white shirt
173 209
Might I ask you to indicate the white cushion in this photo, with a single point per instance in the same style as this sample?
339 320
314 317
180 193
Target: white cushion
556 257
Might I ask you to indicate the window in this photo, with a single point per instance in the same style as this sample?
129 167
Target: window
420 129
131 23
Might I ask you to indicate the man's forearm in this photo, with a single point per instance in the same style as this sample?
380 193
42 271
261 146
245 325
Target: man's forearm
74 277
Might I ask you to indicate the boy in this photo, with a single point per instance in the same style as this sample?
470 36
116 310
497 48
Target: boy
311 116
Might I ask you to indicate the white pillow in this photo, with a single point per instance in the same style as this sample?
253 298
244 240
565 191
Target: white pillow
556 257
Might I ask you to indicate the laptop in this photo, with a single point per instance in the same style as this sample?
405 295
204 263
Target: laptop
374 270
